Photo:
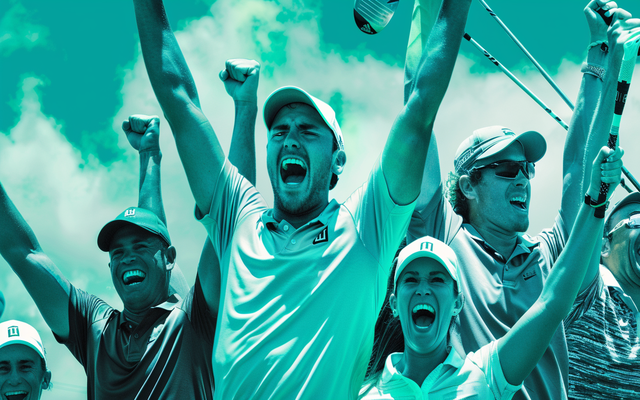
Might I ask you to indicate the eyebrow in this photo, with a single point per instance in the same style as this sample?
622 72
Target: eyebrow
286 127
430 273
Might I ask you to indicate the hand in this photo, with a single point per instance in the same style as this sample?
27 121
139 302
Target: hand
606 168
240 79
622 28
143 132
597 26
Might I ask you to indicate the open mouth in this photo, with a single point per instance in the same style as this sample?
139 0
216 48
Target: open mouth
134 277
16 395
293 171
423 315
519 202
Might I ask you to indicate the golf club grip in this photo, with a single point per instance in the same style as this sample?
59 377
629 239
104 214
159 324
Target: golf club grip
607 20
604 187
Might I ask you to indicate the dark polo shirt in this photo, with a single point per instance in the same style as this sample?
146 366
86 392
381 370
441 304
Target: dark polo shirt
167 356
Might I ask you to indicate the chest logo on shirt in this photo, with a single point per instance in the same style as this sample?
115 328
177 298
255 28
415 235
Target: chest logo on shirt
322 237
529 275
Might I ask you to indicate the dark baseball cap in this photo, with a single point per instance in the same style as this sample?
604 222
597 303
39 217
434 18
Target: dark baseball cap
133 216
633 197
486 142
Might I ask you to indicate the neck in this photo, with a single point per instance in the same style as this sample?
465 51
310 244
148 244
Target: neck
298 219
417 367
503 242
630 288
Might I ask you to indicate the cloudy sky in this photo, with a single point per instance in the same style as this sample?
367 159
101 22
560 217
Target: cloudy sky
71 71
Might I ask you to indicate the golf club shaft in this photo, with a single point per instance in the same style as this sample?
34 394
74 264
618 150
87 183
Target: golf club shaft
626 172
524 50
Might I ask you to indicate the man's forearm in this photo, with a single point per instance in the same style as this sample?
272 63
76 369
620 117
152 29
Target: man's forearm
242 152
150 194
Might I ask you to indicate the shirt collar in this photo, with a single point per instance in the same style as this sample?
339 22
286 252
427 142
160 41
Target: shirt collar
610 281
168 305
390 373
524 243
270 222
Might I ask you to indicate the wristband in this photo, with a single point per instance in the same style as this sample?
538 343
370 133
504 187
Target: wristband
599 208
594 70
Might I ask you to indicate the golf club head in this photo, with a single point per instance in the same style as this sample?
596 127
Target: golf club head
373 15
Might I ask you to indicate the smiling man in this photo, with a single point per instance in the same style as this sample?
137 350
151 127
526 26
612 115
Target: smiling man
302 282
158 346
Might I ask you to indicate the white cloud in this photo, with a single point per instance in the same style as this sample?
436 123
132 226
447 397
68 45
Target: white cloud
67 205
16 31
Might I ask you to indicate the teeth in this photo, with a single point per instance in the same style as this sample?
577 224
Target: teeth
519 199
286 162
131 274
15 393
423 307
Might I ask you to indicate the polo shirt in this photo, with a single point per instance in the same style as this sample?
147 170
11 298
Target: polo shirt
479 375
604 347
499 290
167 356
298 306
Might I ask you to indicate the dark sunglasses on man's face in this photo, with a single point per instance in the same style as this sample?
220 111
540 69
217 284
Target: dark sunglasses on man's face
509 169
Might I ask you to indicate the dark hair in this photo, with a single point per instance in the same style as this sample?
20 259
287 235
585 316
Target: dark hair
456 198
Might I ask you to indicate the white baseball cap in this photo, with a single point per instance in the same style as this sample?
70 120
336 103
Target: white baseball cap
291 94
486 142
428 247
18 332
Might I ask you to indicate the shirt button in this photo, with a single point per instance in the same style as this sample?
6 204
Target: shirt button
293 241
286 228
506 267
135 336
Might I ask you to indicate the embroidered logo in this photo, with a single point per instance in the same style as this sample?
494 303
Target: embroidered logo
130 212
13 331
322 237
426 246
529 275
366 28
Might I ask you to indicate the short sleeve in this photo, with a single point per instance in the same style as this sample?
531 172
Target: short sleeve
584 301
488 360
88 314
233 199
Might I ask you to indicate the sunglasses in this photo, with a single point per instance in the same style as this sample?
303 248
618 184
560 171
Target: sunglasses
633 222
509 169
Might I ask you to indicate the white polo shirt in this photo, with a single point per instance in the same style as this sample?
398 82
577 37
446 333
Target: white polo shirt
298 306
478 376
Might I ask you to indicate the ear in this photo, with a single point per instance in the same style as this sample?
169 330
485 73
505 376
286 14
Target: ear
467 189
606 247
459 303
171 254
338 162
46 380
393 304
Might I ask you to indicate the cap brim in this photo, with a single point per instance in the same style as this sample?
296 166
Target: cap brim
631 198
533 144
426 254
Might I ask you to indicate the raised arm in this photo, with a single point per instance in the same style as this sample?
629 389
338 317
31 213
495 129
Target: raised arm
404 155
143 133
242 155
46 285
622 27
575 166
537 326
198 146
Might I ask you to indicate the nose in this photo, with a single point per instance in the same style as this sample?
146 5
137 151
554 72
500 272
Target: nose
14 377
521 179
423 288
292 139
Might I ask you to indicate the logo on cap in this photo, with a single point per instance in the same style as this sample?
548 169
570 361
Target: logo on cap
130 212
426 246
13 331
